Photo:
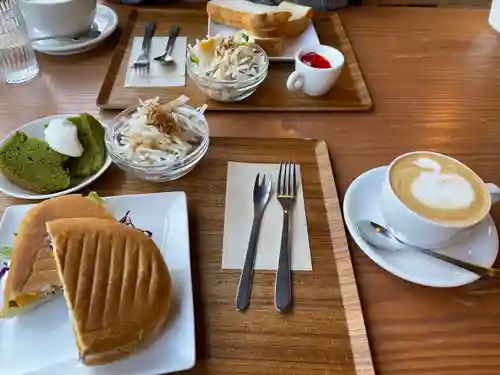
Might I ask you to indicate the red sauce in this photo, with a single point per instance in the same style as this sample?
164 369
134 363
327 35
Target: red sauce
315 60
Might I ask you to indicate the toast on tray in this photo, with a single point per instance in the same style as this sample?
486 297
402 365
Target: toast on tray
268 26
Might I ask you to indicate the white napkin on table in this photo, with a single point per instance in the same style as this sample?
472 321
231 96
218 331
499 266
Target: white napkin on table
239 216
158 75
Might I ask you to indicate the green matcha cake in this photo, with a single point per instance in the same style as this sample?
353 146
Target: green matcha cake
31 164
91 136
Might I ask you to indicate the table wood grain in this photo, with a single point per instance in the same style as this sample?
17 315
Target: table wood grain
434 76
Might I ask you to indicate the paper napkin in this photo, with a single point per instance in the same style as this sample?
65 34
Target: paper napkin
239 216
158 75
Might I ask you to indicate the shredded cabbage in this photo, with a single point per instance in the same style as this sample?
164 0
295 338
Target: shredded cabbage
227 58
159 134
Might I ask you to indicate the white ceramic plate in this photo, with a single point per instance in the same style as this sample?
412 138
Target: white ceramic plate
41 342
36 129
107 22
292 45
479 245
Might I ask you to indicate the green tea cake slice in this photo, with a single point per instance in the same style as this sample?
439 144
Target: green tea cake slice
91 136
31 164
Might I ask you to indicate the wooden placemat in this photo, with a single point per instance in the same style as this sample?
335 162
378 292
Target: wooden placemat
349 93
325 333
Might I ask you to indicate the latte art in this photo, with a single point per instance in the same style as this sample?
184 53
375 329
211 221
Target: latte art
439 188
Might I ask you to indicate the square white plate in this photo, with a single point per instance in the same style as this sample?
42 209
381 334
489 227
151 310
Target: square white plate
41 342
308 37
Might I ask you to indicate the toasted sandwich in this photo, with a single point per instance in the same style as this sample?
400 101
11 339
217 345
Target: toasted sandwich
33 278
116 285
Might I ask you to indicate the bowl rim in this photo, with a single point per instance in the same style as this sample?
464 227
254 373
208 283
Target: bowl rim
160 167
190 64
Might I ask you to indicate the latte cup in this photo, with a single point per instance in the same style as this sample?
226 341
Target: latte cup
58 18
316 81
417 230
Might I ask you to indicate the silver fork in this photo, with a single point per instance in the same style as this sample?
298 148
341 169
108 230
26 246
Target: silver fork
261 193
142 61
287 186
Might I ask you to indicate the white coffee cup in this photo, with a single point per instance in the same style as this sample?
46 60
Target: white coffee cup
494 18
315 81
59 18
416 230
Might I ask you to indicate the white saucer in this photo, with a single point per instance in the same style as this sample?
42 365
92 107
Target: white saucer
107 22
479 247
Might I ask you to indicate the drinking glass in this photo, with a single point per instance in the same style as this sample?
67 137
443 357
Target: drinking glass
17 59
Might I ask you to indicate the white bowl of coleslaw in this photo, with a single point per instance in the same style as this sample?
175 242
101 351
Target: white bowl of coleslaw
158 142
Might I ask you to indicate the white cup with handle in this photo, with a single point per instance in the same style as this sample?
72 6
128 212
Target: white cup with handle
58 18
315 81
430 200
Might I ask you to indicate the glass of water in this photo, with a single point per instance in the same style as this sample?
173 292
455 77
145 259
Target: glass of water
17 59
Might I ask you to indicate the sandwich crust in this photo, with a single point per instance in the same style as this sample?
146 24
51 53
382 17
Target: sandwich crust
33 277
116 284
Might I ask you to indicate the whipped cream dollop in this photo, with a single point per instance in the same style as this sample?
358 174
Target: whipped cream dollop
62 136
437 189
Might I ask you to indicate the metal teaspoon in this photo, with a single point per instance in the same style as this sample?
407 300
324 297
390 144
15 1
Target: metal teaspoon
380 237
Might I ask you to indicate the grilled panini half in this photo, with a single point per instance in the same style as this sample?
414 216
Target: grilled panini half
33 279
116 284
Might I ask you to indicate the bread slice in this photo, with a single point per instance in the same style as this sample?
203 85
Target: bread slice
298 23
238 14
91 135
246 15
116 285
33 279
294 27
33 165
274 47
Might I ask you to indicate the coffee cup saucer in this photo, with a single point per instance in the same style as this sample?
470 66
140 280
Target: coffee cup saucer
106 21
478 246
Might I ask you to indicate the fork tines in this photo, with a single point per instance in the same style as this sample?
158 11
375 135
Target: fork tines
142 62
287 179
263 180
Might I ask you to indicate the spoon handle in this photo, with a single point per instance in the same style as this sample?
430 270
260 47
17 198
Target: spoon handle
174 32
479 270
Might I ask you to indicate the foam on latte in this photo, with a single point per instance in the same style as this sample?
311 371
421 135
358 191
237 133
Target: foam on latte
439 188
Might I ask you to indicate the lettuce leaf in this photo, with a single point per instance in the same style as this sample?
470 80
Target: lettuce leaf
94 197
194 59
5 253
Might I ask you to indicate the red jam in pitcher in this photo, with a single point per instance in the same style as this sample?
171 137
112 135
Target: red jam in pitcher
315 60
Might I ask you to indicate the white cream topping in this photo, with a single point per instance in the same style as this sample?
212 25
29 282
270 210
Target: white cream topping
62 136
441 190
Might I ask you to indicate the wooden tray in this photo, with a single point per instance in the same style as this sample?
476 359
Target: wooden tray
325 333
349 93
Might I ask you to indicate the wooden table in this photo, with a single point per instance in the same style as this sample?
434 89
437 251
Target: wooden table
435 79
